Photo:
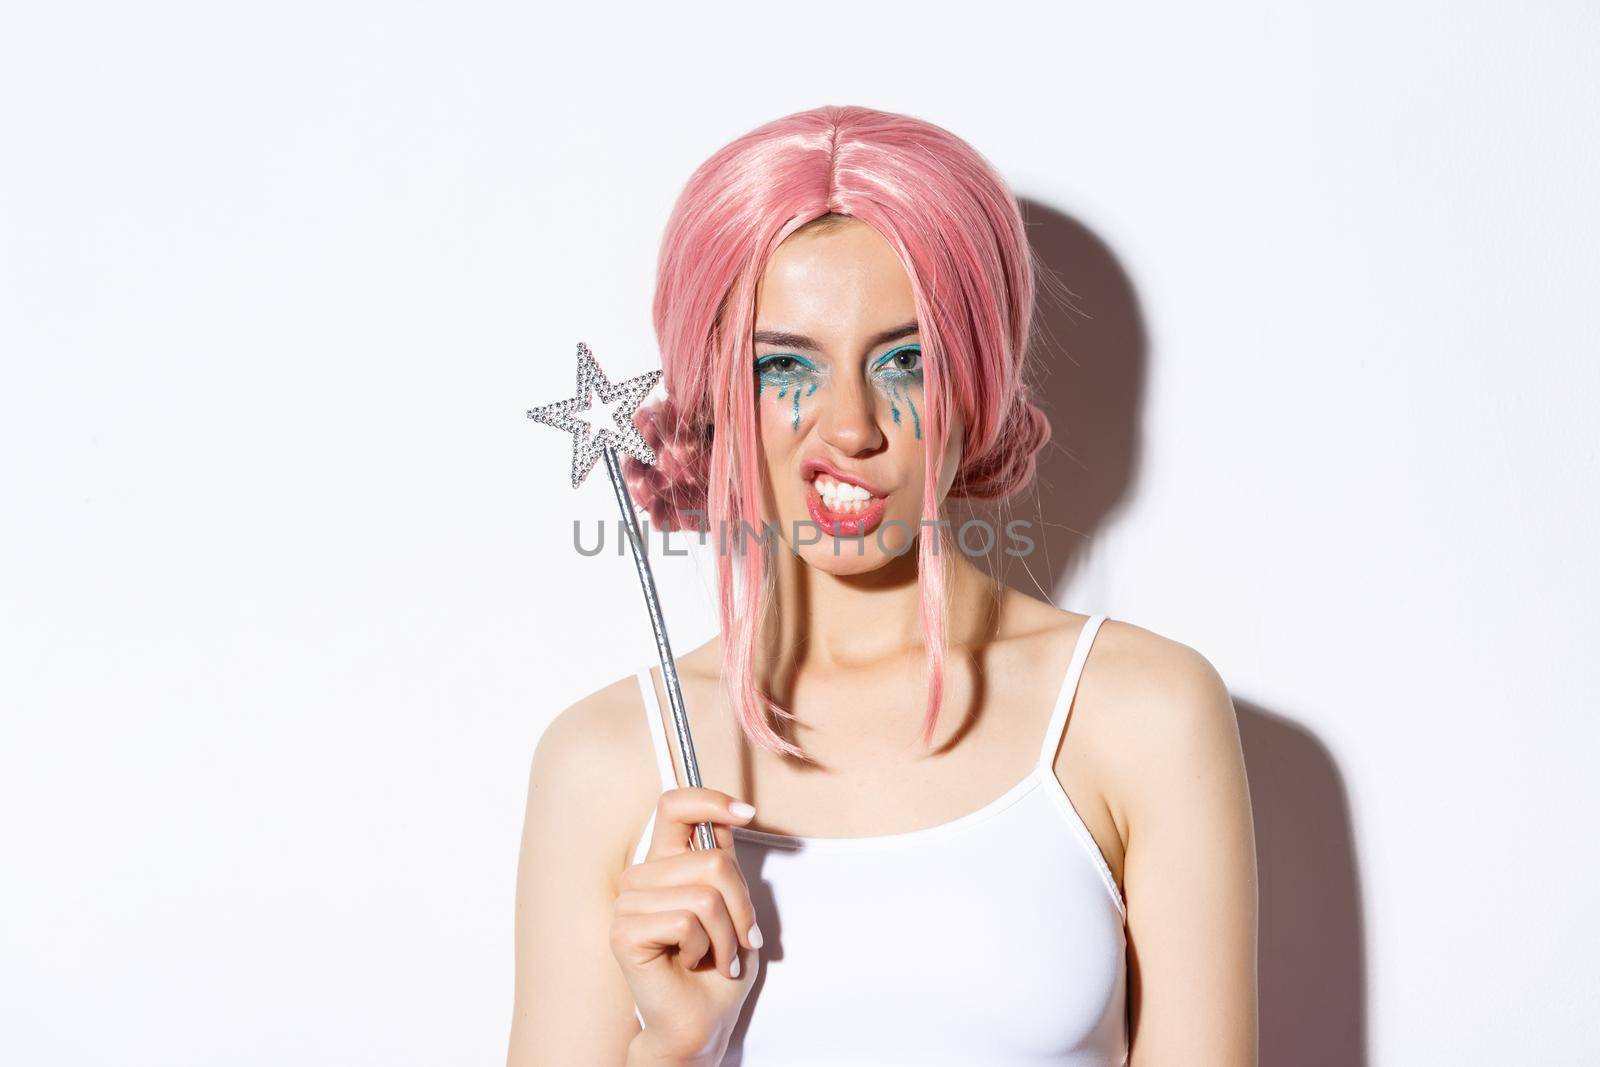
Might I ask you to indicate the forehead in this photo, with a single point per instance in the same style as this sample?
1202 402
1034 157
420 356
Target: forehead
834 283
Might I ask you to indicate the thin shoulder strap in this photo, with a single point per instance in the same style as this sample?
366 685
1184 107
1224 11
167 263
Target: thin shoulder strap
658 737
1069 689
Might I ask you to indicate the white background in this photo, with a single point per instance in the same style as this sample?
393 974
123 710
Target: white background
287 591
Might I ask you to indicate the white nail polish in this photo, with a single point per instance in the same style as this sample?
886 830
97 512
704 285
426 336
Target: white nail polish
755 936
733 968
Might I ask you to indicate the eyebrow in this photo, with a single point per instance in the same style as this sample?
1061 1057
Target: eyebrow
783 339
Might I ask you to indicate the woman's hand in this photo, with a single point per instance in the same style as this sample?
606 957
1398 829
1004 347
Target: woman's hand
679 923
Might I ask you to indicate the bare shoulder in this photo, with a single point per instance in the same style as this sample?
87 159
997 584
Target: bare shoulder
1167 673
592 737
590 786
1162 715
594 768
1144 685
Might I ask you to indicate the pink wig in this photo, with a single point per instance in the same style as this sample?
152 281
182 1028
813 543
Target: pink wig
959 235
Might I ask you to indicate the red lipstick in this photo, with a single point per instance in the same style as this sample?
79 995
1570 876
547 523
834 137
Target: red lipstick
841 523
844 524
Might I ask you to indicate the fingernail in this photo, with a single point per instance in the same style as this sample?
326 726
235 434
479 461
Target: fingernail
755 936
741 810
733 968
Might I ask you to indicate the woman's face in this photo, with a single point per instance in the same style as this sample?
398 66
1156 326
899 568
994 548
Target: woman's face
843 423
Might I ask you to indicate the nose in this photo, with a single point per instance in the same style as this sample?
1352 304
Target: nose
849 420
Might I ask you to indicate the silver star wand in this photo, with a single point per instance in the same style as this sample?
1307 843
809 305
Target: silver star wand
605 441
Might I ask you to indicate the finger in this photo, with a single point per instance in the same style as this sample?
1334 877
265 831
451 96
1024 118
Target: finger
707 905
639 939
678 811
718 868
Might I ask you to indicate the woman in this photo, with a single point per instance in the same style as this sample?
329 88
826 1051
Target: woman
935 870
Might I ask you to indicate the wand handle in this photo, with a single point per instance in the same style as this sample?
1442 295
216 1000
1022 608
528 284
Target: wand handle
704 837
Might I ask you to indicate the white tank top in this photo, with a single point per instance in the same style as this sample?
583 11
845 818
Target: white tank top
996 938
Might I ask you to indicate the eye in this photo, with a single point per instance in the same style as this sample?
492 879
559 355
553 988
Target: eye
777 365
783 367
907 359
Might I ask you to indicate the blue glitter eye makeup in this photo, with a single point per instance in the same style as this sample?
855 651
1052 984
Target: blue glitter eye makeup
897 371
787 373
894 373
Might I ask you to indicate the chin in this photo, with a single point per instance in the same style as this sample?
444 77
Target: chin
852 558
883 539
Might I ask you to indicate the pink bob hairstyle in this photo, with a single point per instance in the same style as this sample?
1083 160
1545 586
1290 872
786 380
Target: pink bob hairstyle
958 233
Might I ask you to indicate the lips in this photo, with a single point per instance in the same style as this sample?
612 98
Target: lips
841 504
845 524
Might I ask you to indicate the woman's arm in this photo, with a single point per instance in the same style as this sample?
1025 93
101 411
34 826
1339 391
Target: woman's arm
1189 872
571 1004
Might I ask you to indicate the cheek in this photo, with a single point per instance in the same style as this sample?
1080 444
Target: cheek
785 404
904 396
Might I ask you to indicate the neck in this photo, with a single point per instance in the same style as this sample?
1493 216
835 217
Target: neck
842 621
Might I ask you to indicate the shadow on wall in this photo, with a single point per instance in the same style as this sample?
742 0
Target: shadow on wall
1313 941
1090 383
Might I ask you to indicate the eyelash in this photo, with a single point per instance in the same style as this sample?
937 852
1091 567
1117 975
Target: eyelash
765 366
903 372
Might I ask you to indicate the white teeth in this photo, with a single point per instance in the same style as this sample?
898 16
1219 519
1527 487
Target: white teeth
840 496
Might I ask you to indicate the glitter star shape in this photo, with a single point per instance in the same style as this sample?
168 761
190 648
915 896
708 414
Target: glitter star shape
587 442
